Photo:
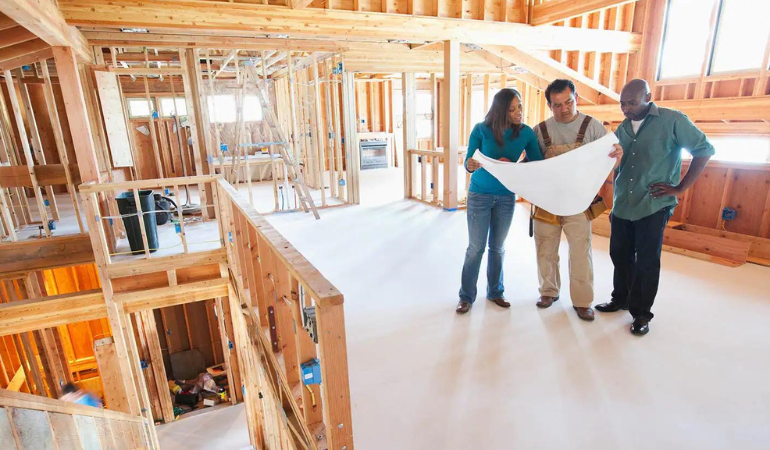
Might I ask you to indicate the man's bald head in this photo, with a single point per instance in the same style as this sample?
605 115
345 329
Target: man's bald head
635 99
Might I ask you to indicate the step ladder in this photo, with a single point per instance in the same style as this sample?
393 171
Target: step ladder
280 141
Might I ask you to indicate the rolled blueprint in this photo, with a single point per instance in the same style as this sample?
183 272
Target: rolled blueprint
563 185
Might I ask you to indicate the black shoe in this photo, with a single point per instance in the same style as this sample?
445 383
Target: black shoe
640 327
610 306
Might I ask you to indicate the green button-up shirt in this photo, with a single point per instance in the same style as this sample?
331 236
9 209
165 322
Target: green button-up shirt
653 155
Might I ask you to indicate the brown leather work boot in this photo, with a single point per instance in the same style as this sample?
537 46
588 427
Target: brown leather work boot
546 301
463 307
586 314
501 302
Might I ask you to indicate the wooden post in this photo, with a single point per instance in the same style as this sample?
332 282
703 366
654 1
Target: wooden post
319 140
27 152
53 115
410 129
46 343
338 136
450 103
468 99
270 138
77 115
352 153
158 368
330 130
188 59
37 148
153 130
125 345
332 349
109 371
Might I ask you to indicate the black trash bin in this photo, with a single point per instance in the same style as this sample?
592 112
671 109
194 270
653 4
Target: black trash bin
127 205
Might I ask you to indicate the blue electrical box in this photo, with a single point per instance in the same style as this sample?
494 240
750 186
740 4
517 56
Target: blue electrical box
223 147
311 372
729 214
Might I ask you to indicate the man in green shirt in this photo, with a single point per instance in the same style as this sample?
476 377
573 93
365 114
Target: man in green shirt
647 183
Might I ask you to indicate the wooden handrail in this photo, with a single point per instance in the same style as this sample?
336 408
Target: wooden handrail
147 184
307 275
10 399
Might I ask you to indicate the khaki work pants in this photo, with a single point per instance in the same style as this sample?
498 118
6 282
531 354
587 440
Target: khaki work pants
577 228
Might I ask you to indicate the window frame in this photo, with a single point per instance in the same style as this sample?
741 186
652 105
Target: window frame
711 43
153 107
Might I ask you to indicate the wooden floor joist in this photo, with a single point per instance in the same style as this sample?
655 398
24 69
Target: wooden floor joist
57 251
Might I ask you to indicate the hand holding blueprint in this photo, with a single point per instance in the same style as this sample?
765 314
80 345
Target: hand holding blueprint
563 185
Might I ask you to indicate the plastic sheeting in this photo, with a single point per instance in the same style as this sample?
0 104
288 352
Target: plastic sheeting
563 185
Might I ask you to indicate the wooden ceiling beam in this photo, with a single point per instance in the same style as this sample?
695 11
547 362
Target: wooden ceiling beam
44 20
137 268
549 69
507 67
174 39
6 22
38 313
15 35
557 10
226 62
59 251
260 20
23 49
26 60
731 108
173 295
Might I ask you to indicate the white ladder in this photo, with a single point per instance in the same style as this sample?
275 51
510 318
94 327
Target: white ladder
279 140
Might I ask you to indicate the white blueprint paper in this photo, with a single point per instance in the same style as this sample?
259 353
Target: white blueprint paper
563 185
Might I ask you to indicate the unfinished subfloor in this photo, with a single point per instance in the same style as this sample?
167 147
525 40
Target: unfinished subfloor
422 377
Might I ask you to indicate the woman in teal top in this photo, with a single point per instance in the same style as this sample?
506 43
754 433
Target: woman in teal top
501 136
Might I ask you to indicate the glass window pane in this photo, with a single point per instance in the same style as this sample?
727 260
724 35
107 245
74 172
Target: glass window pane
753 149
181 106
138 107
252 110
686 38
167 106
741 36
222 108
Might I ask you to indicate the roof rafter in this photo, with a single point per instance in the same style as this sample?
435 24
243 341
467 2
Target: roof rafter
550 69
557 10
45 21
260 20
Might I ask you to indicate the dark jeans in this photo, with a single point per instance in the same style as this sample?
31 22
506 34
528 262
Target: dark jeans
489 218
635 251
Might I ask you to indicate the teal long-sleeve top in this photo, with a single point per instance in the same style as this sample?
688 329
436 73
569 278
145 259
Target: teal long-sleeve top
482 139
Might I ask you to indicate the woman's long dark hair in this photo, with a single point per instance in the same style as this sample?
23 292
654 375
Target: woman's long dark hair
497 117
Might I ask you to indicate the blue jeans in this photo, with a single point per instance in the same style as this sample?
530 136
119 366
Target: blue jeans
489 218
